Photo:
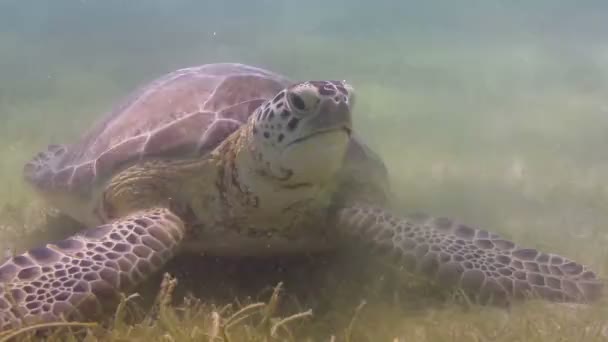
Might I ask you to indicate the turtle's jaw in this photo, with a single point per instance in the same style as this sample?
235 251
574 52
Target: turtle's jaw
317 157
317 153
346 129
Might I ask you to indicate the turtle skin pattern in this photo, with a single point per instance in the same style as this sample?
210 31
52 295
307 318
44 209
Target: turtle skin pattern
487 267
82 276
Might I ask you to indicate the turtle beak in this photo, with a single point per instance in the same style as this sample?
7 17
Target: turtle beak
344 129
332 116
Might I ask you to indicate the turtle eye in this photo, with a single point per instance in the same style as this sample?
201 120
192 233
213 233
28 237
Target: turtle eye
297 102
303 99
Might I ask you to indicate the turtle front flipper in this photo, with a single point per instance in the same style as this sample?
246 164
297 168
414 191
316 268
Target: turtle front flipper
81 277
488 268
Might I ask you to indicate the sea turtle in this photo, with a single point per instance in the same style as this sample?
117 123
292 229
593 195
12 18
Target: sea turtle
231 159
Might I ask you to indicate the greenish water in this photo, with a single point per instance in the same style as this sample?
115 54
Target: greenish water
492 112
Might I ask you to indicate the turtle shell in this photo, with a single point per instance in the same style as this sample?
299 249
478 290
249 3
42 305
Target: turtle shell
187 112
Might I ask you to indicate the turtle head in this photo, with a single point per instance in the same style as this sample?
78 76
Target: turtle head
302 134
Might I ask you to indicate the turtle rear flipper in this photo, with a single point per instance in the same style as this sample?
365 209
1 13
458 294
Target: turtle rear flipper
81 277
41 168
488 268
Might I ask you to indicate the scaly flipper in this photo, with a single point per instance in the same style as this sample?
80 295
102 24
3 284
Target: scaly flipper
83 274
487 267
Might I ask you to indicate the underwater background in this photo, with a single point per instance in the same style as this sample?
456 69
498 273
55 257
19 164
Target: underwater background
491 112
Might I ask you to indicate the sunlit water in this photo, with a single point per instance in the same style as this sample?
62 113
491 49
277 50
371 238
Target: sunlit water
491 112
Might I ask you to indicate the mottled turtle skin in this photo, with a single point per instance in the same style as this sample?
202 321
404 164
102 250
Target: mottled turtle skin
230 159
